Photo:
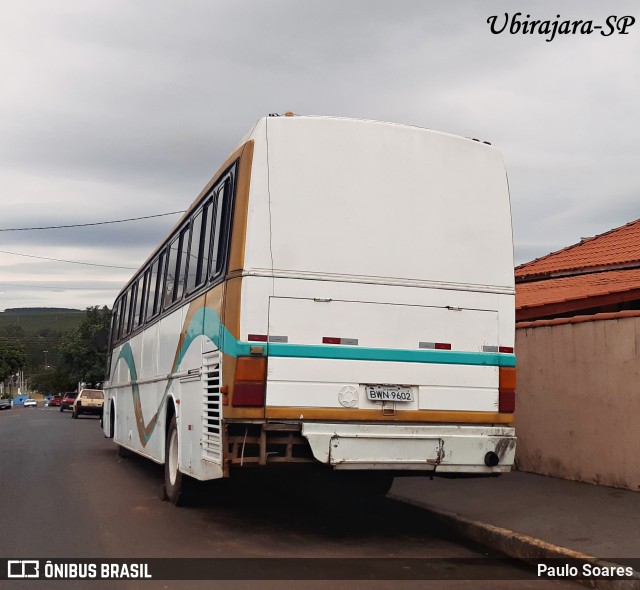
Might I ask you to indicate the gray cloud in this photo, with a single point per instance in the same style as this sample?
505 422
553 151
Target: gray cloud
119 109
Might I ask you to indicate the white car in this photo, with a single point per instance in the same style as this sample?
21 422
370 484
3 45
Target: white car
30 403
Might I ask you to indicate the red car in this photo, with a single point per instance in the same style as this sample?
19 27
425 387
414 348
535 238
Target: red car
67 400
56 400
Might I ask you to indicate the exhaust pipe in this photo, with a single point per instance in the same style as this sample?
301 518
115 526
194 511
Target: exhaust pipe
491 459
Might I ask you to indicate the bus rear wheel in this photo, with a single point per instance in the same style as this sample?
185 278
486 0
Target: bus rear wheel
339 488
112 421
176 485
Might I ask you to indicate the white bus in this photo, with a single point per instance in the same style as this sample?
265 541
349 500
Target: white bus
339 297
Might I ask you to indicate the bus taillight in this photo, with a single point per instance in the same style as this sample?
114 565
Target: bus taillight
507 390
250 381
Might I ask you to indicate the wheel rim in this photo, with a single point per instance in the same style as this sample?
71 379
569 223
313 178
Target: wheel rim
173 457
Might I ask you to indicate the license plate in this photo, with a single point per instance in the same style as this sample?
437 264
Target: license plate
389 393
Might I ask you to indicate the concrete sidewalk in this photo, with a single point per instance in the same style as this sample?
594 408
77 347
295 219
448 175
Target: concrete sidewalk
524 515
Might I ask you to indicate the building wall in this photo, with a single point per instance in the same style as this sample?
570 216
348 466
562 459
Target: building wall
578 400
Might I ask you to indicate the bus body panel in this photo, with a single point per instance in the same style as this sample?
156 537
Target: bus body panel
361 198
382 325
383 333
174 376
323 383
149 368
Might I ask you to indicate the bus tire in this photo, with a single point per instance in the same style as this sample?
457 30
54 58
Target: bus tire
176 485
122 452
340 488
377 485
112 421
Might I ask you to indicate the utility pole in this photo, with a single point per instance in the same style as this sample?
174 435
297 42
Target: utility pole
45 359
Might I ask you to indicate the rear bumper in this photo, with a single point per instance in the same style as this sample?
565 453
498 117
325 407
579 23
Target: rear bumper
412 447
89 410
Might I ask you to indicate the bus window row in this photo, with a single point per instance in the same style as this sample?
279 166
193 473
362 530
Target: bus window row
191 259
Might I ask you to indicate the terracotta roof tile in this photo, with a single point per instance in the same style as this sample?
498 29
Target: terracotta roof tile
620 246
582 286
580 319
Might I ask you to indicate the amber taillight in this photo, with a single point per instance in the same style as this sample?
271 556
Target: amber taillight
507 390
250 382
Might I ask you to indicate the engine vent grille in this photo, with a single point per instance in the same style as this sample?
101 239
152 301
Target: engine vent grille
212 409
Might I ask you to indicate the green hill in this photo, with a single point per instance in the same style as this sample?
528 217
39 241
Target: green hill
38 329
38 310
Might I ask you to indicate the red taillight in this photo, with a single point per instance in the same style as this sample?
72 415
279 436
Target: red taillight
335 340
250 382
507 402
248 395
442 346
507 390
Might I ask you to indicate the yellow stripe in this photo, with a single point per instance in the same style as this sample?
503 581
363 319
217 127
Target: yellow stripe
422 416
231 413
233 283
240 207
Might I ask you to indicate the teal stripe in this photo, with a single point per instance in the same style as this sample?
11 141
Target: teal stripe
206 322
443 357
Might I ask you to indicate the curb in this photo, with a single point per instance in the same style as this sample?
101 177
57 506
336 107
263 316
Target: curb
518 545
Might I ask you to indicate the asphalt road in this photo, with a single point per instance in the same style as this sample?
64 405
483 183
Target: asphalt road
64 492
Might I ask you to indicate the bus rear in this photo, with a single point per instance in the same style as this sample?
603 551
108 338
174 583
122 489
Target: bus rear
378 284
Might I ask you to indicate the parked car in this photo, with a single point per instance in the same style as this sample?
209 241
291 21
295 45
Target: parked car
30 403
5 404
67 400
56 400
89 401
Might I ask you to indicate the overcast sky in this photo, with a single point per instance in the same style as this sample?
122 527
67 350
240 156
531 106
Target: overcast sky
115 109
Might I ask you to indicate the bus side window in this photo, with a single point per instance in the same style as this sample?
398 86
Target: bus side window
114 322
219 231
154 292
194 278
170 279
181 276
128 312
151 289
206 240
145 296
157 300
140 292
174 283
123 316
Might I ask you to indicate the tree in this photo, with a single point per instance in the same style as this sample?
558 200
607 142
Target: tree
83 352
12 331
12 358
55 380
